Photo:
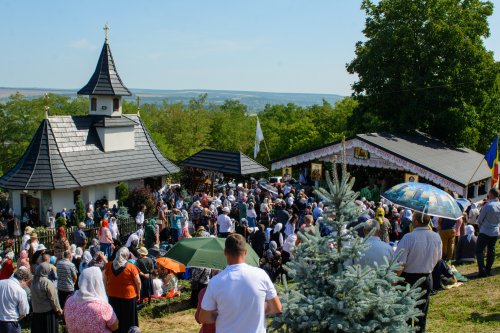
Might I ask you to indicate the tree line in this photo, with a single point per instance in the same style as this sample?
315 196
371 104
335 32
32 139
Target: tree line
421 66
181 130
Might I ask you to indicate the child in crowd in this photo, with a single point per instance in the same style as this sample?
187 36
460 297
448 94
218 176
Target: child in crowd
157 284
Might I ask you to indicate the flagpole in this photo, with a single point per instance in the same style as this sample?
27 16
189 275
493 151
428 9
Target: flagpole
263 139
480 163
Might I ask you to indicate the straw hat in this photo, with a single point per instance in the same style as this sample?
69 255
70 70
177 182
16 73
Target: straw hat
28 230
142 251
34 235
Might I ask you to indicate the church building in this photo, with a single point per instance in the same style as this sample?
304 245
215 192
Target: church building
87 156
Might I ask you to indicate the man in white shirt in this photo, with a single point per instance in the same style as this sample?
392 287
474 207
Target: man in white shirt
421 250
139 218
377 249
239 297
14 305
225 223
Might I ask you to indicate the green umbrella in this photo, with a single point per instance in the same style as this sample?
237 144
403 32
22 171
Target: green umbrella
206 252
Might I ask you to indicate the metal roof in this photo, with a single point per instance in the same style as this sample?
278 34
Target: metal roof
226 162
455 163
105 121
105 80
66 153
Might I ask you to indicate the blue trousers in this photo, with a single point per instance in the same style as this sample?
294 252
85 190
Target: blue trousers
10 327
488 243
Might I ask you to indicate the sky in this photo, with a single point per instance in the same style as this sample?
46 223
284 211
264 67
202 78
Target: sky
299 46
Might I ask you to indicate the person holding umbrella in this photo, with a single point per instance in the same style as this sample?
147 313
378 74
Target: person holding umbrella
420 251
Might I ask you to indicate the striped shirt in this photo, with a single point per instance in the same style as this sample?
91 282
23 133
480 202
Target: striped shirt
66 270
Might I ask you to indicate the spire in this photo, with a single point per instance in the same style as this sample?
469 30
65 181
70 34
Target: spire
106 31
105 80
47 107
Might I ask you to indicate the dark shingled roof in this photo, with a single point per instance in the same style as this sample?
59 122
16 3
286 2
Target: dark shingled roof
66 153
105 80
226 162
454 163
105 121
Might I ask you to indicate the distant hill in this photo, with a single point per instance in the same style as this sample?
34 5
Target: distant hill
255 101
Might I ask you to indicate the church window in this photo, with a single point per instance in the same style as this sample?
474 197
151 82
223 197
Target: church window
116 104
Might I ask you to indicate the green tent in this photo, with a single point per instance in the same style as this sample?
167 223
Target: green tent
206 252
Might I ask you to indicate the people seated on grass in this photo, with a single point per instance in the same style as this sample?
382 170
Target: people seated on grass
170 285
442 275
157 284
466 247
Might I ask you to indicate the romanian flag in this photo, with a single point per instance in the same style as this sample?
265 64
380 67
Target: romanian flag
491 158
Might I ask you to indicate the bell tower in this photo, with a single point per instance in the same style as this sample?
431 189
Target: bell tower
105 87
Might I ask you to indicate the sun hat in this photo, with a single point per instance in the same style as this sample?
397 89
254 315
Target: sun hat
28 230
142 251
226 210
41 247
34 235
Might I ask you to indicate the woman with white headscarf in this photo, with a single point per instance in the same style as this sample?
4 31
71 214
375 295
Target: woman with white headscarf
277 235
134 241
123 285
88 310
45 302
86 259
7 266
466 246
113 228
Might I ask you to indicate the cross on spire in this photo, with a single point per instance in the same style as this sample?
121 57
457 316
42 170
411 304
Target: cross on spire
106 31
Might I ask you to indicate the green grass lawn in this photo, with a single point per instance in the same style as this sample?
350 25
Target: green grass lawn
472 307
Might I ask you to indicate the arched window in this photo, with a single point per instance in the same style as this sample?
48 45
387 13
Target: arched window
93 104
116 104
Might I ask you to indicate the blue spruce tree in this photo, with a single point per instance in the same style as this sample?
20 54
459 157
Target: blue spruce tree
330 295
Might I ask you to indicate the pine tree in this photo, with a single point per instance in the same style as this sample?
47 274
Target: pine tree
80 210
329 295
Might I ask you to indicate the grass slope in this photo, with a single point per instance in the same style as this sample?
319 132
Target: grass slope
470 308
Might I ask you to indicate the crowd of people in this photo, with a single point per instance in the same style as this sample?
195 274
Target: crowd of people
99 283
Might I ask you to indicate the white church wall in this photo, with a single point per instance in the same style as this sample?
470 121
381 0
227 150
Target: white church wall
16 202
119 138
62 199
116 138
105 106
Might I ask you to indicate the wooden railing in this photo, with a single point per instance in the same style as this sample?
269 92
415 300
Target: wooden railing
46 236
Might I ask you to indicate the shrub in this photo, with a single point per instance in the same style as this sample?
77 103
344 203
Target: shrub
122 193
60 221
80 210
138 197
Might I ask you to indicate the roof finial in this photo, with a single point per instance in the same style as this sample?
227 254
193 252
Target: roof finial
106 31
138 99
47 108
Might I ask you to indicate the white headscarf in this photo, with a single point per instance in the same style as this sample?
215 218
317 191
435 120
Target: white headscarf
91 286
121 258
469 231
78 252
